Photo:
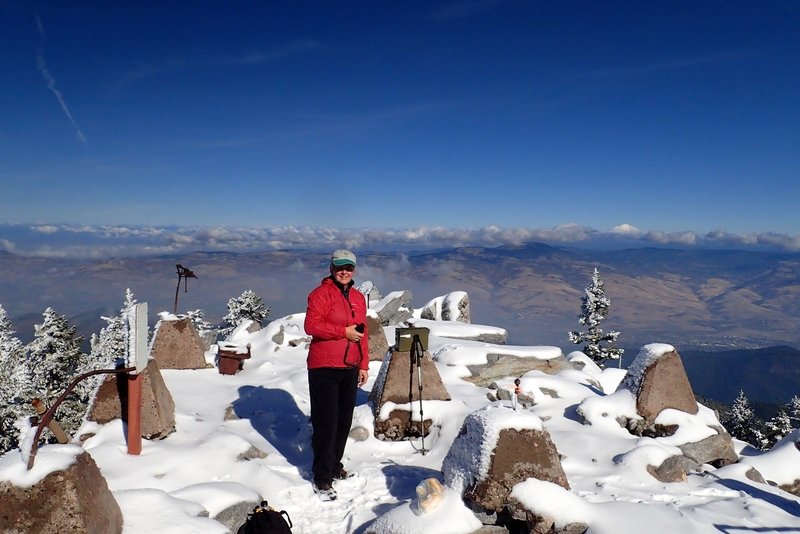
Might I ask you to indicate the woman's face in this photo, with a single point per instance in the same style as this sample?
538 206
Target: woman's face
343 274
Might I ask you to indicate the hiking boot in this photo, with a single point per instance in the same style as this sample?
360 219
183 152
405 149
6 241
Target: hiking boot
342 474
325 491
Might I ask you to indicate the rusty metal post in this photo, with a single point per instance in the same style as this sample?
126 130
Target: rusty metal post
135 414
53 425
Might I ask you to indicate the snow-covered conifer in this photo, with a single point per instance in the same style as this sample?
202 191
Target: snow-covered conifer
11 356
777 428
199 322
14 384
793 410
742 423
246 306
594 310
55 359
109 348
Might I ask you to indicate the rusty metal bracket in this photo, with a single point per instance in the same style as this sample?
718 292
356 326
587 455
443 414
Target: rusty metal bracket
48 415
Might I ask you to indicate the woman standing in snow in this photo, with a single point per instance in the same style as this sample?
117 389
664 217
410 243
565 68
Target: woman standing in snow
338 363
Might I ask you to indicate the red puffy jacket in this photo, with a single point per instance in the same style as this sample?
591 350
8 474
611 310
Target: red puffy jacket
329 312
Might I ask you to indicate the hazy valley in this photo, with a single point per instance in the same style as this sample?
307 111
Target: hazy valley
696 300
689 298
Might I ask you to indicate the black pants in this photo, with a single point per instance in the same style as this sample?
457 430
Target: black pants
333 398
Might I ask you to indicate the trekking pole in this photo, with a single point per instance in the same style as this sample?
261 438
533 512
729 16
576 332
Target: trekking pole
417 352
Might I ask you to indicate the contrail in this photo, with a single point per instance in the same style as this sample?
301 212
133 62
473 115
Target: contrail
40 27
51 84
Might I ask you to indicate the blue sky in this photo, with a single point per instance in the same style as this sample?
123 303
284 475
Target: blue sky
669 116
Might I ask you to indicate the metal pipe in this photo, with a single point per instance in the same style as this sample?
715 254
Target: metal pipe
135 414
52 410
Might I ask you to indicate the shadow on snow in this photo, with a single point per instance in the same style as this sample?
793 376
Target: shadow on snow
274 414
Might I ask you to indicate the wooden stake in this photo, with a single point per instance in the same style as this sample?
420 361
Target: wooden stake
53 425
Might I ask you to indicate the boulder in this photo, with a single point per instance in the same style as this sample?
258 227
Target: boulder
158 408
378 344
451 307
459 330
289 332
754 475
673 469
500 366
496 449
518 455
253 327
393 308
75 499
658 381
224 501
455 307
359 433
538 524
176 345
793 488
716 450
398 383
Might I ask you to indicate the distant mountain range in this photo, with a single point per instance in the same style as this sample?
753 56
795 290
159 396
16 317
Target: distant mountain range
699 301
692 299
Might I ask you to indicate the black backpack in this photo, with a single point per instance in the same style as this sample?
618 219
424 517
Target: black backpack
265 520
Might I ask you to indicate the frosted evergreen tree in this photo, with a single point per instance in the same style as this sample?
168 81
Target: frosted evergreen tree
777 428
55 359
110 346
793 410
246 306
14 384
198 319
741 422
11 356
108 349
594 310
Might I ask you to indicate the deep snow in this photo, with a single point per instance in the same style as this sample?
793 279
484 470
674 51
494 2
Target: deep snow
198 468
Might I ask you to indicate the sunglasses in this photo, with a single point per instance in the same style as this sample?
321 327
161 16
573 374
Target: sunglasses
348 268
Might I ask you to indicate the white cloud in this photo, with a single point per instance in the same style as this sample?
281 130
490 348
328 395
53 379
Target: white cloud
99 241
46 229
7 245
671 238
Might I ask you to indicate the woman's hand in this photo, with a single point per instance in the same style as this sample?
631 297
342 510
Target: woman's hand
352 334
363 374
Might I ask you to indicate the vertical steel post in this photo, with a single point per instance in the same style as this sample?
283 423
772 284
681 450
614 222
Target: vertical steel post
135 414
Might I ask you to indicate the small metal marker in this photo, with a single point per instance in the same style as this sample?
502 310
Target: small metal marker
516 394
